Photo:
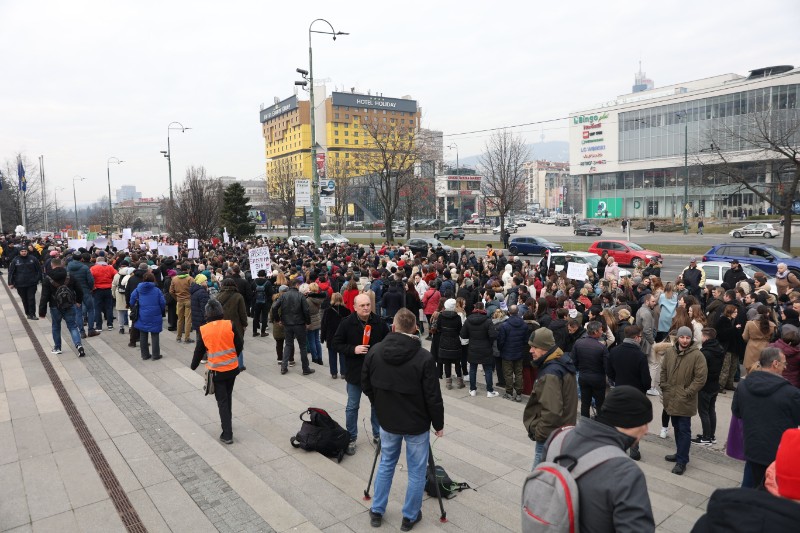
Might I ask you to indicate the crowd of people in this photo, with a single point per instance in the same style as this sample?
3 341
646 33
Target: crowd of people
562 343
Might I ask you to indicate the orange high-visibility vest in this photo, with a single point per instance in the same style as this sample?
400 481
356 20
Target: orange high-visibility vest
218 338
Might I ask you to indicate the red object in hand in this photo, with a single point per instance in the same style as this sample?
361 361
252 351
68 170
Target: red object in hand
365 337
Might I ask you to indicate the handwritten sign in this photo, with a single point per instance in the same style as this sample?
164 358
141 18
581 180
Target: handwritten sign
577 271
260 260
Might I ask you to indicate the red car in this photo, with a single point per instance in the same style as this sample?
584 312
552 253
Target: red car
625 252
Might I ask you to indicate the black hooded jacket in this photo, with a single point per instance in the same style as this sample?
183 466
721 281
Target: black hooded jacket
750 511
714 353
399 377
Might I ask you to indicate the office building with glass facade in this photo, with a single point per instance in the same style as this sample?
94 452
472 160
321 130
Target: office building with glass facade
634 153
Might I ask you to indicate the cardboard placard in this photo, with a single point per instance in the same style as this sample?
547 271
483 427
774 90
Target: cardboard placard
260 260
127 233
577 271
76 243
191 244
121 244
168 250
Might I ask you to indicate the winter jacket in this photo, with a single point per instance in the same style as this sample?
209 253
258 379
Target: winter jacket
50 285
613 495
103 275
787 283
732 277
400 379
553 402
512 338
667 311
447 336
480 331
393 300
590 356
645 319
695 279
756 341
349 296
151 305
179 287
350 334
133 281
470 296
627 365
255 290
792 353
430 302
79 271
315 301
748 511
331 318
119 296
683 374
293 308
198 296
233 308
715 357
27 271
278 333
768 405
413 302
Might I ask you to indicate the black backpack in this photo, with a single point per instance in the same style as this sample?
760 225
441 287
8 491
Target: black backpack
447 487
261 293
321 433
64 296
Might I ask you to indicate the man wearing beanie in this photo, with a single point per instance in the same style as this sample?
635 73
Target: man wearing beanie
71 314
613 495
683 375
553 402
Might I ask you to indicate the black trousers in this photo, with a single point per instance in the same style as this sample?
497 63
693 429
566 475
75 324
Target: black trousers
172 315
592 387
706 407
223 392
28 297
260 311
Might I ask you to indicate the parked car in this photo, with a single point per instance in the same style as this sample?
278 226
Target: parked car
420 246
302 239
533 218
436 223
588 229
764 256
304 225
510 228
625 252
768 231
547 220
532 245
396 232
354 224
560 258
520 223
450 233
715 272
563 221
333 239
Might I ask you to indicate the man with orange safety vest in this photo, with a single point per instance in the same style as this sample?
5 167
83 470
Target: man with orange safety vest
218 346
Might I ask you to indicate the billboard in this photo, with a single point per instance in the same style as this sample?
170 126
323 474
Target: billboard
302 193
368 101
593 142
268 113
604 207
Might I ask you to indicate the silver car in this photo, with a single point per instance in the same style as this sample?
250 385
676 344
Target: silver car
759 229
715 272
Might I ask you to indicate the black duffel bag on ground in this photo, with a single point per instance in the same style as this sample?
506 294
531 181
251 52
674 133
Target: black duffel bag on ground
321 433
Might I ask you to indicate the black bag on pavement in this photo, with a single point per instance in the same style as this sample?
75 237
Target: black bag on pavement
321 433
447 487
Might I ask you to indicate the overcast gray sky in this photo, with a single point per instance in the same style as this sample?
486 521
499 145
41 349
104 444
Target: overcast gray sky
85 80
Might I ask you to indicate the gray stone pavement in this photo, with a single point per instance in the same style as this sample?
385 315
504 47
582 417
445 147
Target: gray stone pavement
159 435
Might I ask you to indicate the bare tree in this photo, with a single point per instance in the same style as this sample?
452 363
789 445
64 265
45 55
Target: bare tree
12 197
281 176
343 176
504 177
197 205
769 135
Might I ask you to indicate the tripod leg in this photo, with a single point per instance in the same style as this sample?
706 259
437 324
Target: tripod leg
432 466
367 497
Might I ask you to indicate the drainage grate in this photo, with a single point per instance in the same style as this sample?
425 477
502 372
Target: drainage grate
130 518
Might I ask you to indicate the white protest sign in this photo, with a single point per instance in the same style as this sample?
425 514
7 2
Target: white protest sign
577 271
260 260
101 242
225 237
152 245
191 244
127 234
168 251
121 244
194 254
76 243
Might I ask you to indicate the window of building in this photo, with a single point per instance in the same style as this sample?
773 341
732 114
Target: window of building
347 141
452 185
347 155
346 108
355 134
336 115
356 141
336 141
336 132
346 116
346 133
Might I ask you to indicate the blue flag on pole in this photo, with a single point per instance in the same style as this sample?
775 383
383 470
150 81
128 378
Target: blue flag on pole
23 183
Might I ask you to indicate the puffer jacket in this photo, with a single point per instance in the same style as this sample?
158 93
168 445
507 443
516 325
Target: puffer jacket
554 400
151 305
480 331
315 301
430 301
119 297
448 328
683 375
331 318
512 338
715 357
199 298
792 353
27 271
80 273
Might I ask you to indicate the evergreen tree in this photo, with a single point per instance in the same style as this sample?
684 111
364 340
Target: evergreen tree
235 212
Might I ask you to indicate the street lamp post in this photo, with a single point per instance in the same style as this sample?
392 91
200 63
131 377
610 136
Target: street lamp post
168 154
110 160
460 199
310 73
58 222
75 198
686 172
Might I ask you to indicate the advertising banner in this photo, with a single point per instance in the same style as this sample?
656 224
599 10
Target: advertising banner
604 207
302 193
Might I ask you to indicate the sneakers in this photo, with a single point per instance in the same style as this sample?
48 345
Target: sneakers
56 351
351 448
81 351
94 333
492 394
308 371
122 331
408 525
663 433
652 392
518 398
203 361
700 440
189 340
226 441
473 392
508 396
375 519
291 363
110 327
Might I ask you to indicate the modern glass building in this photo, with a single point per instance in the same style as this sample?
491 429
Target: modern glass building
634 153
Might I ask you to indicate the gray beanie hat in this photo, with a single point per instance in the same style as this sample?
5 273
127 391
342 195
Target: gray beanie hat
214 309
684 331
542 338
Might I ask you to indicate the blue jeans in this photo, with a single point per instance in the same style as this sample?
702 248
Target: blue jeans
333 356
69 317
351 413
538 454
683 437
417 464
103 304
87 308
314 345
488 369
241 360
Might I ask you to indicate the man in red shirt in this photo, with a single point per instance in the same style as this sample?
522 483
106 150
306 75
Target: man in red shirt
103 274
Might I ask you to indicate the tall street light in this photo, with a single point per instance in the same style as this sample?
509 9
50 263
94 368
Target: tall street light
686 170
110 160
55 196
310 74
451 146
75 198
168 153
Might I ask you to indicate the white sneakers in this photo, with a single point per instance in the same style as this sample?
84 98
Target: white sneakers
493 394
652 392
473 392
56 351
663 433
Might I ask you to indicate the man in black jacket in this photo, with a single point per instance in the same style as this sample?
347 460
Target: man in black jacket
591 358
349 340
399 377
627 365
261 296
70 314
714 353
733 276
25 273
291 310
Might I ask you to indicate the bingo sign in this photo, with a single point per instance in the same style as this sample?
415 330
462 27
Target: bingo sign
260 260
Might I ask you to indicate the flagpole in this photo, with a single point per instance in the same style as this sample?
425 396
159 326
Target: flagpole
45 227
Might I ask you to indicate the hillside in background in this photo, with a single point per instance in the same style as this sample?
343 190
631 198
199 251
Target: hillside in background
550 151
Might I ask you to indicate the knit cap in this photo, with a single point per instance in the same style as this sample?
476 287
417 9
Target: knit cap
625 407
542 338
684 331
450 305
200 278
787 465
